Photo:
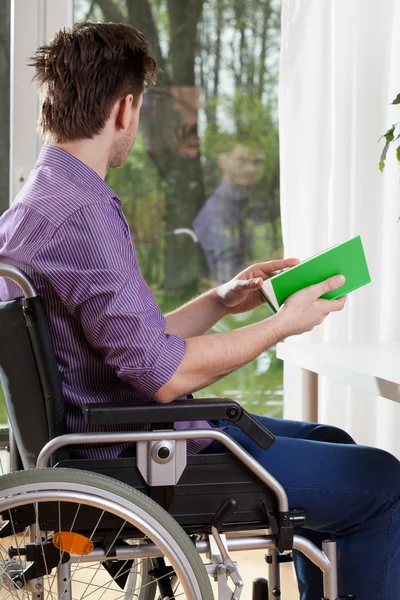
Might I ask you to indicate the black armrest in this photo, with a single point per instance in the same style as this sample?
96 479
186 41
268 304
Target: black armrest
209 409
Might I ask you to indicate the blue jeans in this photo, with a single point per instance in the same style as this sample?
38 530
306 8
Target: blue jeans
349 492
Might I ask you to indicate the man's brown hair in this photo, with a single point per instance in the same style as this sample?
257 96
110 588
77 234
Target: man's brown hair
82 73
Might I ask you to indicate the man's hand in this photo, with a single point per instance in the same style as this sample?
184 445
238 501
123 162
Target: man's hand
305 309
242 293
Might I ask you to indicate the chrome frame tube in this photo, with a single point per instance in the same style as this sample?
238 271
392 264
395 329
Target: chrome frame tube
152 551
15 463
267 542
20 278
64 588
274 573
35 586
330 577
73 439
307 548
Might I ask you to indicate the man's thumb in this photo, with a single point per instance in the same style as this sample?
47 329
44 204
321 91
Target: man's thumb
333 283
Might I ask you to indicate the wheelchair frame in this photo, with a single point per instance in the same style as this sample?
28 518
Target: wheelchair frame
162 473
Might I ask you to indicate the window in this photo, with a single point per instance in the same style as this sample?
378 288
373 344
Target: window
4 128
5 105
23 27
200 189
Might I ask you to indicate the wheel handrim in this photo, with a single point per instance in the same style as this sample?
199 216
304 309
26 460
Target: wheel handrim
114 504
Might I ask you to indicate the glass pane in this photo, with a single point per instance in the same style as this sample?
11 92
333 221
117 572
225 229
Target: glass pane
4 128
200 188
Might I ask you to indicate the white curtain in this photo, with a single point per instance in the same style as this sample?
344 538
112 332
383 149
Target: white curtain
340 69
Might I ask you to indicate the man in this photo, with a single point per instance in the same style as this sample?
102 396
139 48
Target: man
67 231
221 223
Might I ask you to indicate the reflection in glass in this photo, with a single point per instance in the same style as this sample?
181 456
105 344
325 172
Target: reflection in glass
225 223
200 188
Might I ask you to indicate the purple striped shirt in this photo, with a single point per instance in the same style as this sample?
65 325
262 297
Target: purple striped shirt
67 231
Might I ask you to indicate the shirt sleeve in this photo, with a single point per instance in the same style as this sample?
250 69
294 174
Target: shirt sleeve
91 263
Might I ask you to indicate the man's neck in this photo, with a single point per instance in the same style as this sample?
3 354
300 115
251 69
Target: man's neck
87 151
239 192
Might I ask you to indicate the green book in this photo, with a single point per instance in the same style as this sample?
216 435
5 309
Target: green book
346 259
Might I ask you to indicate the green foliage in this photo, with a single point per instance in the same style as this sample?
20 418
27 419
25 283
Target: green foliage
396 100
142 193
3 412
255 127
390 137
228 51
236 64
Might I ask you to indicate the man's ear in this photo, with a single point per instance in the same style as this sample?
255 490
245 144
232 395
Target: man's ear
124 112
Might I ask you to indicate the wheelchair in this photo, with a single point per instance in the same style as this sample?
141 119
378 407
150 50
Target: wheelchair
130 528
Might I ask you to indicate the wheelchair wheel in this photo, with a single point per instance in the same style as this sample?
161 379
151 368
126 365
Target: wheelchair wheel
71 535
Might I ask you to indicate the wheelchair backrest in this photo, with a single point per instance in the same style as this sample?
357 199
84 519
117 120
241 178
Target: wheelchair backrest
29 376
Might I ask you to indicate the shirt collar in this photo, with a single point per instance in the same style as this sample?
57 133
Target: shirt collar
74 169
227 189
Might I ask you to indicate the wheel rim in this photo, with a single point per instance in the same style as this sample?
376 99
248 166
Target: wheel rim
109 503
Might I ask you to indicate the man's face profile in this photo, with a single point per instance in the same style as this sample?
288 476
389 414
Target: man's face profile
122 145
242 167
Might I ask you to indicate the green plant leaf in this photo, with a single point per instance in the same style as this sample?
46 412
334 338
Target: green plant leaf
389 135
396 100
383 156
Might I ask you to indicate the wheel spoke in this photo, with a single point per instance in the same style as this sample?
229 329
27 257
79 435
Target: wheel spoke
118 512
25 593
107 553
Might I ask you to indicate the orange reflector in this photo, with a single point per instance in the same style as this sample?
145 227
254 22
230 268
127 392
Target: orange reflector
73 543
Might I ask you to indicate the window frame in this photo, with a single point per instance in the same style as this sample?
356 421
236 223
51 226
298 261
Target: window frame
32 24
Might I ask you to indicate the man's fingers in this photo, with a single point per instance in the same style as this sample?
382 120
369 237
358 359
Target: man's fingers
333 305
268 268
253 283
247 285
333 283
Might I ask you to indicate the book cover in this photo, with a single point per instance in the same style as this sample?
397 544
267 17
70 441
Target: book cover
346 259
